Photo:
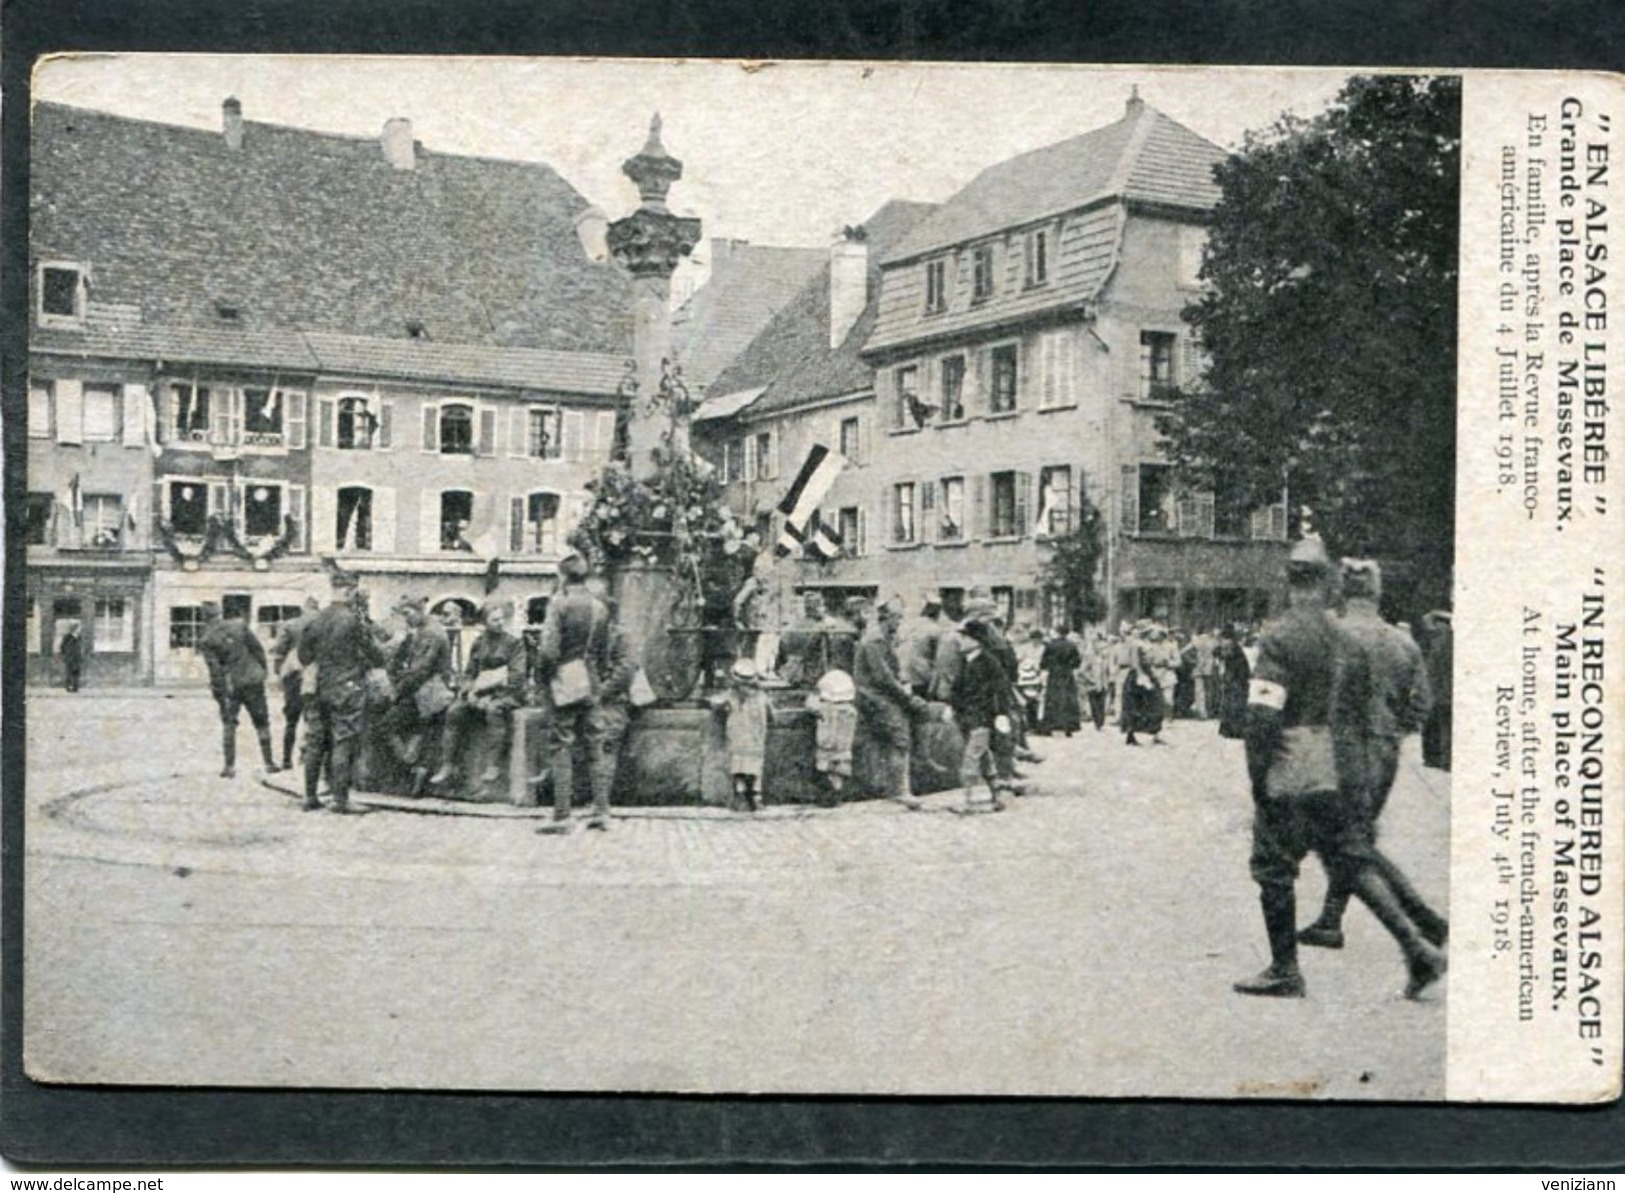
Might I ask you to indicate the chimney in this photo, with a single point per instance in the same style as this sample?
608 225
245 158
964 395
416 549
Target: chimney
1135 104
231 121
399 149
848 282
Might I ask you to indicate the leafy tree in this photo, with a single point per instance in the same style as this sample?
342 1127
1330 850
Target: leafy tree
1330 324
1069 574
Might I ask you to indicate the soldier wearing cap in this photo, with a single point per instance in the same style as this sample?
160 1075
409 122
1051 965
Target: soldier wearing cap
579 655
237 665
1300 802
886 707
918 652
1382 694
340 647
420 671
492 686
285 659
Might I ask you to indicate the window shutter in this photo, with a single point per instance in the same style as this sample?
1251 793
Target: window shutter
160 499
296 404
1185 513
324 422
386 426
516 525
863 440
221 504
1190 360
926 531
324 512
978 382
135 419
1278 522
861 547
575 429
605 447
223 415
383 519
1258 523
1130 497
519 432
296 511
750 456
428 521
1024 501
487 445
171 412
1205 514
978 507
70 410
431 437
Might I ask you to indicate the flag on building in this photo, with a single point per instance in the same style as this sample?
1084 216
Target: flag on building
800 503
823 540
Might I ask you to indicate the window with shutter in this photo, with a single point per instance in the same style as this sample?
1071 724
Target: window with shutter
39 410
488 432
516 525
1278 522
928 511
1024 502
1205 514
978 506
604 440
326 418
750 457
298 410
299 516
1191 363
574 434
386 425
135 399
70 410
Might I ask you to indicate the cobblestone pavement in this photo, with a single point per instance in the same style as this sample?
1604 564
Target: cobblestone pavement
182 927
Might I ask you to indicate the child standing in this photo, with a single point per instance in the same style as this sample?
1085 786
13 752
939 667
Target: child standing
981 706
834 706
744 705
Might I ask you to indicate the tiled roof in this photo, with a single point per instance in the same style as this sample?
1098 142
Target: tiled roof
747 286
307 229
474 364
326 354
723 405
1145 156
792 356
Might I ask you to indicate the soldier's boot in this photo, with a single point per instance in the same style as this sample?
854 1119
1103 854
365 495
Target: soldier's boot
289 736
271 767
563 767
603 782
228 747
340 768
1435 929
313 778
1282 979
1327 931
448 754
1424 963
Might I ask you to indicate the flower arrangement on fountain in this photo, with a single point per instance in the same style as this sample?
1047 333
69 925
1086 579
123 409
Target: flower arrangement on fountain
675 519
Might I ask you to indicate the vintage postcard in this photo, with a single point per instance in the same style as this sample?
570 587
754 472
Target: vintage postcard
859 578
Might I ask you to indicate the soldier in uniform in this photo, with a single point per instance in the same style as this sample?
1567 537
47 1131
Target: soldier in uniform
1370 720
236 661
886 708
577 633
285 658
419 672
493 685
1301 802
342 648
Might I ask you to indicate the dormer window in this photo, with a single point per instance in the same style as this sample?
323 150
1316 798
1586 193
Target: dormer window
63 287
936 286
1037 256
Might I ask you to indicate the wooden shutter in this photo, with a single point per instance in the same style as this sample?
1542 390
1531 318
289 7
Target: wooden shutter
519 432
978 507
605 441
296 409
1024 501
324 512
750 455
575 429
1190 360
978 382
861 547
385 438
1205 514
486 445
926 528
428 521
516 525
431 435
324 422
70 410
160 500
301 521
384 519
1278 522
1185 514
1129 498
135 415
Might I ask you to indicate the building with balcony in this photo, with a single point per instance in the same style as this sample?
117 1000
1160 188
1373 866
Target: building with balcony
260 353
1018 349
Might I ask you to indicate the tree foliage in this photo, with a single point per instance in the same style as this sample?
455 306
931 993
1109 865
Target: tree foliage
1330 324
1069 574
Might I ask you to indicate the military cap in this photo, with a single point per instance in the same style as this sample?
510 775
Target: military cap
1362 578
573 567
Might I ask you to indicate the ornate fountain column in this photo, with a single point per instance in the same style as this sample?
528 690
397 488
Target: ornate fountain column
649 244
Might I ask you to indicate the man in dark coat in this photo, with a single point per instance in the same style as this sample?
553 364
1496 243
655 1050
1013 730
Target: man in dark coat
887 709
72 650
285 660
493 685
236 662
342 648
981 700
578 635
1059 664
1379 701
420 674
1302 799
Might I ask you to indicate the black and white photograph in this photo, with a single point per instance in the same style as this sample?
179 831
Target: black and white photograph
733 578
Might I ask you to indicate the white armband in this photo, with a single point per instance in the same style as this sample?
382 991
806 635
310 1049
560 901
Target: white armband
1268 695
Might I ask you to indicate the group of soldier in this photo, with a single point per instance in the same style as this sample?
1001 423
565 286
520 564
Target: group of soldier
356 683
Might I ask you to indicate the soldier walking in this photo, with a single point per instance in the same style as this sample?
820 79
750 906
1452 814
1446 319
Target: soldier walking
236 662
342 648
1299 802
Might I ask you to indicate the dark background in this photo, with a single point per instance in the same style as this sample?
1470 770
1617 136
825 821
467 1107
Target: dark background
168 1129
